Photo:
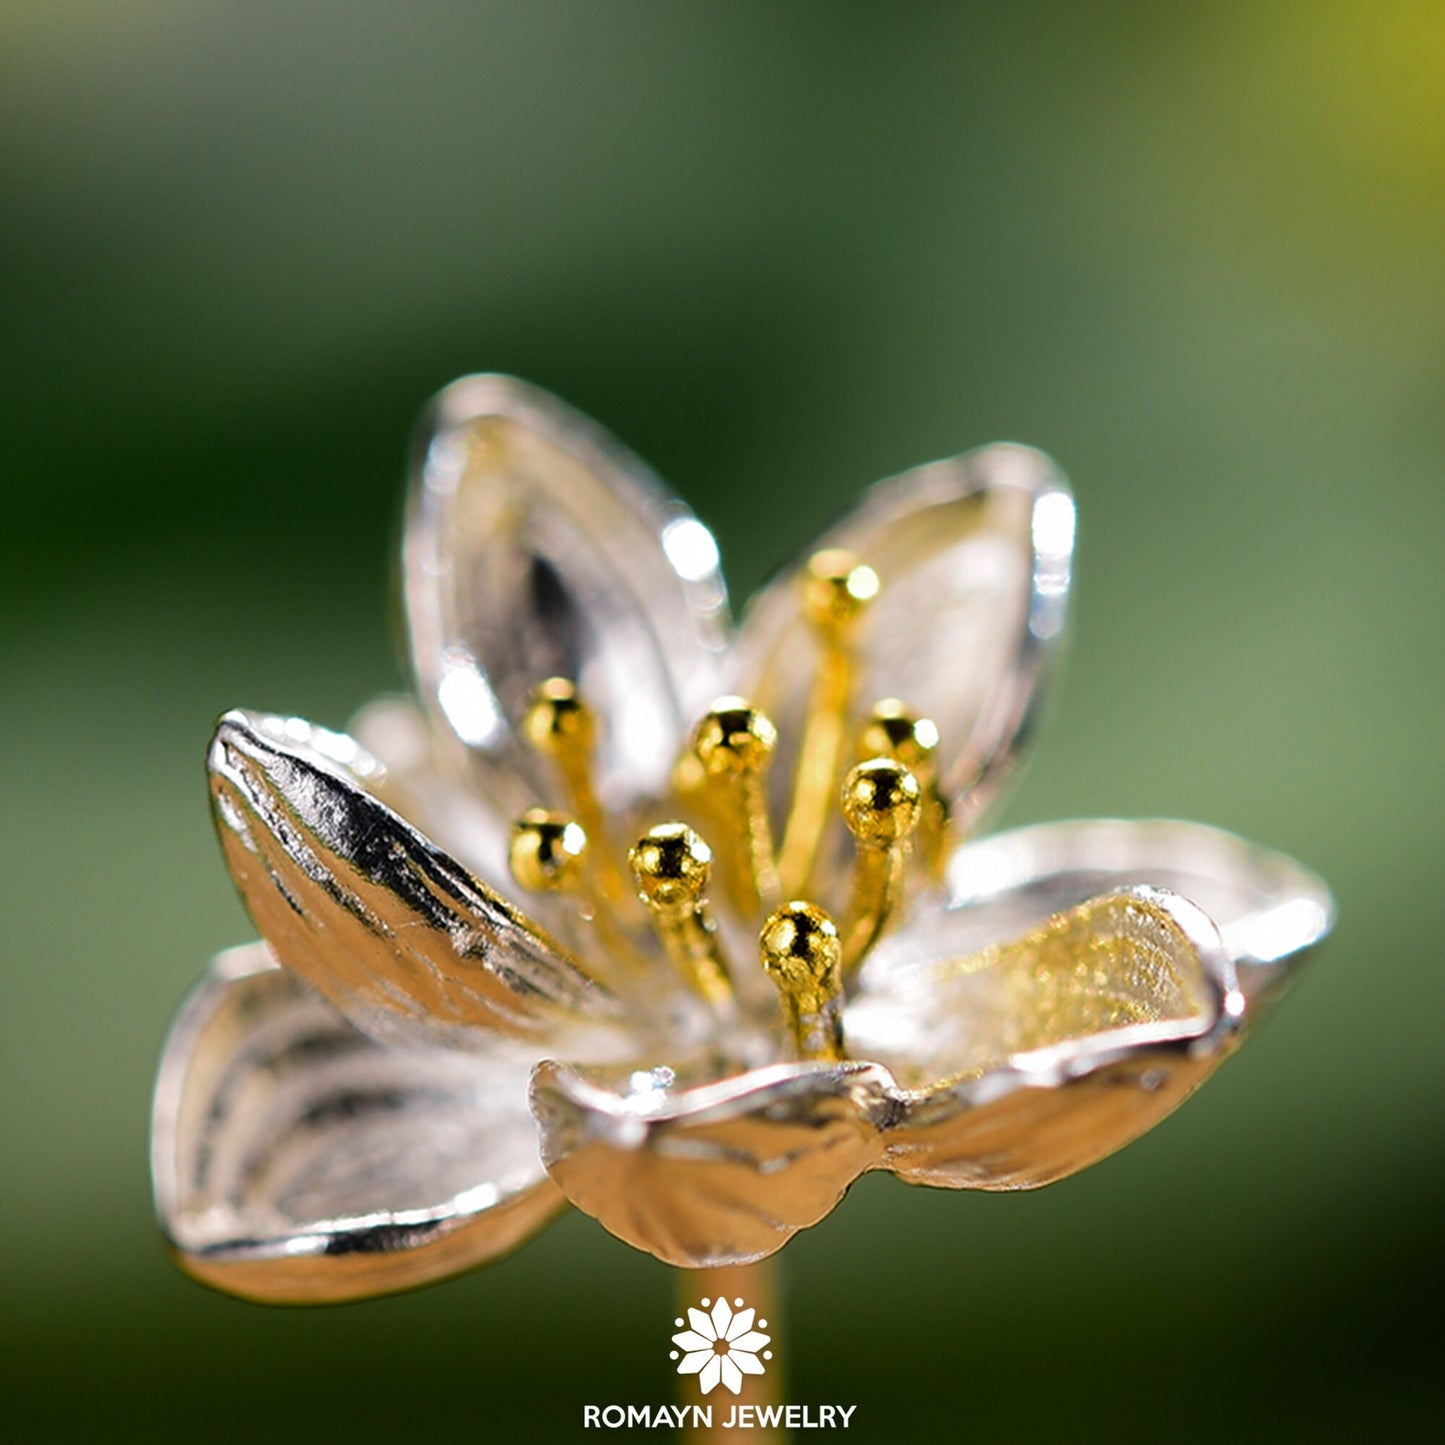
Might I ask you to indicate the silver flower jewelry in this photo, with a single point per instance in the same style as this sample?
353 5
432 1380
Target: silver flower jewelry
678 926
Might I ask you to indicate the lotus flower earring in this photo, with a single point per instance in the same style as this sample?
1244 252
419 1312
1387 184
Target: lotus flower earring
683 928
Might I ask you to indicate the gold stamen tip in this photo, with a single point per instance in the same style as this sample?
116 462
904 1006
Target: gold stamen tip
838 588
881 802
733 737
556 717
546 851
892 731
671 865
800 947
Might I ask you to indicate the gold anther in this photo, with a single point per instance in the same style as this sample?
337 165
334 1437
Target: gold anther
672 865
734 743
557 722
803 955
547 852
837 591
892 730
560 726
881 803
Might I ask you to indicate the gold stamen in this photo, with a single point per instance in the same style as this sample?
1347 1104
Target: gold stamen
881 803
734 743
560 726
547 852
836 593
672 865
892 730
802 954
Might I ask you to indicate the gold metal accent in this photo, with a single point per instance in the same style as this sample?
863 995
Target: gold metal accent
1110 962
838 589
560 726
734 742
893 730
803 955
881 803
672 865
547 851
836 592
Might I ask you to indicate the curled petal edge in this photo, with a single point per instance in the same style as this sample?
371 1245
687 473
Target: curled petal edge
253 1046
722 1173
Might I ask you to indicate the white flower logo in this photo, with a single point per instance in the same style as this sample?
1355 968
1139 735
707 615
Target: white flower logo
721 1346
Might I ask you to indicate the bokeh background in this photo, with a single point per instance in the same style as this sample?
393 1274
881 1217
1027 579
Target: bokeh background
1195 251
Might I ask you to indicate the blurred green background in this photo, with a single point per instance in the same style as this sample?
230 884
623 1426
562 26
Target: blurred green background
1195 251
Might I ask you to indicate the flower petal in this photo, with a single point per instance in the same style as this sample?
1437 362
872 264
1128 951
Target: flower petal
692 1364
1136 960
974 557
724 1173
397 934
722 1317
1060 1047
690 1340
1269 910
711 1373
742 1322
1031 1059
732 1377
536 547
296 1160
396 732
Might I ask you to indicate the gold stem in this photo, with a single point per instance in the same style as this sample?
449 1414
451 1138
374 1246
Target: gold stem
877 883
560 726
819 759
757 1286
671 866
881 804
837 590
734 743
801 953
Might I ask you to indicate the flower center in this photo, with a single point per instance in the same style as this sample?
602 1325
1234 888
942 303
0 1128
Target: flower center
889 801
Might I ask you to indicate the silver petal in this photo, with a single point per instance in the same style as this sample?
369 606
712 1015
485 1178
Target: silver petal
974 559
1035 1058
398 935
1025 1064
297 1161
395 732
1269 910
724 1173
536 546
1136 961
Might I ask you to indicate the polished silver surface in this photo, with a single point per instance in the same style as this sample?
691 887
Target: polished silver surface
724 1173
436 1067
537 546
352 898
295 1159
